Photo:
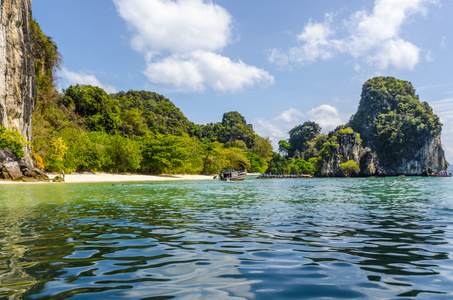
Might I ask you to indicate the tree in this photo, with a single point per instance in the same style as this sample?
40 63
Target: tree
171 154
124 154
13 140
278 164
300 166
257 164
262 147
99 110
56 158
283 147
348 168
300 135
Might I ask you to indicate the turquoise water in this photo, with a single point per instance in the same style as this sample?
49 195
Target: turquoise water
373 238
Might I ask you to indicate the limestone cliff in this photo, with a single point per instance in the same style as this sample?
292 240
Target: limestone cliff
403 132
17 74
345 148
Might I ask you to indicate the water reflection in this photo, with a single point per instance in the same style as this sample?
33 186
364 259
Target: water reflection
281 239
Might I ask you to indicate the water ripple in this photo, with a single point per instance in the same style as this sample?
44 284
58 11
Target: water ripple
278 239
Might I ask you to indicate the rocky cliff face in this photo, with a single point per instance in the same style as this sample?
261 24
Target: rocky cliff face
402 132
17 75
429 156
347 149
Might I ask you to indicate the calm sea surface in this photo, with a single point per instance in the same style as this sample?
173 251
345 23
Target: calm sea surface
373 238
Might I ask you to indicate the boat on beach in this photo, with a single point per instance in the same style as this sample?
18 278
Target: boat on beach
232 175
267 176
439 175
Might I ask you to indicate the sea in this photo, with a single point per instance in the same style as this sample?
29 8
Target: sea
310 238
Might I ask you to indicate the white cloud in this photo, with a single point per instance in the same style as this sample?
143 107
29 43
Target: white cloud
181 41
372 38
327 116
277 128
291 115
199 69
178 26
73 78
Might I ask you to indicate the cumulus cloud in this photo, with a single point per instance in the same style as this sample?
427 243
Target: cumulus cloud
181 41
291 115
73 78
277 128
327 116
199 69
372 38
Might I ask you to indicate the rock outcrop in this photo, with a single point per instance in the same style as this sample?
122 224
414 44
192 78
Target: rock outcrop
17 73
347 149
15 169
402 132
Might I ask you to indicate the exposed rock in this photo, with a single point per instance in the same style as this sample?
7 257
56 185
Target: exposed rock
348 149
369 165
429 156
17 73
15 169
57 179
403 132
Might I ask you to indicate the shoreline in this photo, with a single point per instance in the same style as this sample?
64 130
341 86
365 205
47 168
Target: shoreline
107 177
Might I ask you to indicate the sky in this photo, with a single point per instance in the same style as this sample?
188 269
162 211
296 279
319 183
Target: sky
278 63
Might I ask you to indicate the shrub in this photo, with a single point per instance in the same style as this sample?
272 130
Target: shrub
348 168
13 140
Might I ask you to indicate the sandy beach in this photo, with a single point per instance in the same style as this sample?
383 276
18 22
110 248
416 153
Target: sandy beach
106 177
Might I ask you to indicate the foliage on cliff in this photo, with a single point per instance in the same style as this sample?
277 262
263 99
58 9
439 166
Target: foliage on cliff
13 140
299 136
311 150
393 124
392 120
46 56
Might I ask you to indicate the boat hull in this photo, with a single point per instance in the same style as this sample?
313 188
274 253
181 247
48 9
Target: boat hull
232 175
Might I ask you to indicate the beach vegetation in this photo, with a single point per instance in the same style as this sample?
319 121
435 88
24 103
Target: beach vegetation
12 140
84 128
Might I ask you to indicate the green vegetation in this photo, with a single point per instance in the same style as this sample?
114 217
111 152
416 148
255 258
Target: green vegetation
12 140
86 129
299 136
348 168
310 149
392 120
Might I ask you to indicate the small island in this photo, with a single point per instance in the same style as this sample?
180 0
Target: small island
392 134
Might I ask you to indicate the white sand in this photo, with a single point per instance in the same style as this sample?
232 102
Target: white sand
104 177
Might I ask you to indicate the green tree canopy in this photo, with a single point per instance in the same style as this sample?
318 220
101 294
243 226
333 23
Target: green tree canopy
99 110
300 135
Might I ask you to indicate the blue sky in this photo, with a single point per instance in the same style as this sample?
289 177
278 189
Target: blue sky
279 63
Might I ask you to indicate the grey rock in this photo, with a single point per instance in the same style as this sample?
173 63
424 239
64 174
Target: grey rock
15 169
17 70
